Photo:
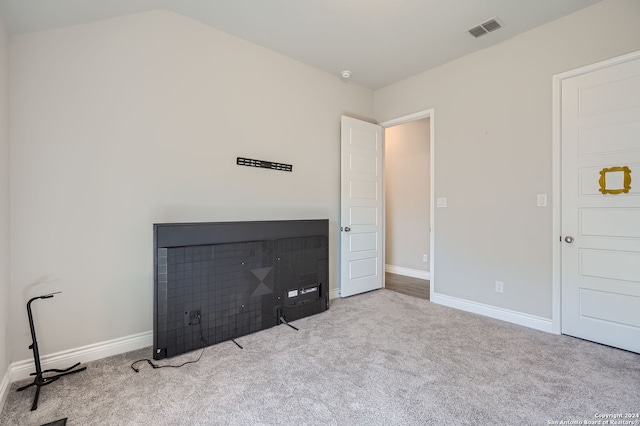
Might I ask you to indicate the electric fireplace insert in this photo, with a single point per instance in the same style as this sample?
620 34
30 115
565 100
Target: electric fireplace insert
221 280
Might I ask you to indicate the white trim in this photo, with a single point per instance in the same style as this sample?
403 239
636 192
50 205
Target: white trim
406 118
556 211
407 272
334 294
4 389
383 239
21 369
432 208
531 321
556 164
430 114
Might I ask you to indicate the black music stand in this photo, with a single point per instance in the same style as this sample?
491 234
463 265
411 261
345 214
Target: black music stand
40 380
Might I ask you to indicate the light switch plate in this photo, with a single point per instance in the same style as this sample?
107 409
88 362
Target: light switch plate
441 202
542 200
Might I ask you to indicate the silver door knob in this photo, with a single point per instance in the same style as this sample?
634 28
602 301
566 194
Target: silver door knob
569 239
347 229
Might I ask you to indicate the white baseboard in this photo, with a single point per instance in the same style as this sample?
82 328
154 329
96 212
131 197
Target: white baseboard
408 272
4 389
334 294
531 321
21 369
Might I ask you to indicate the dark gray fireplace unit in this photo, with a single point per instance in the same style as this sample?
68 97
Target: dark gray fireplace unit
228 279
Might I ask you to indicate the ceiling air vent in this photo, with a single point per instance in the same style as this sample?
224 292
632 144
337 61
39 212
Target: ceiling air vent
485 28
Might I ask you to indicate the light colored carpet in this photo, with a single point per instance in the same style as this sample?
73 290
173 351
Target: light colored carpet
381 358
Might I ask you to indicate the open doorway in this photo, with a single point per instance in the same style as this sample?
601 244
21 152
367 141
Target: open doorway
408 203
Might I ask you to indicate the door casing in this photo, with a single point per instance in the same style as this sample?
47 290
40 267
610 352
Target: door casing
430 114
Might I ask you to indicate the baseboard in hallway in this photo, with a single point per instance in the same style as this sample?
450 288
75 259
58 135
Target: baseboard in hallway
408 272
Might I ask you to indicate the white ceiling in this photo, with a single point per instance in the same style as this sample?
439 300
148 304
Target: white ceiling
380 41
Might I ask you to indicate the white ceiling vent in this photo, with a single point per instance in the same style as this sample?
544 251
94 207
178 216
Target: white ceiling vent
487 27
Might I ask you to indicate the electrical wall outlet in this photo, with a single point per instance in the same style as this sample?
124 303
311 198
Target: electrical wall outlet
192 317
425 258
499 287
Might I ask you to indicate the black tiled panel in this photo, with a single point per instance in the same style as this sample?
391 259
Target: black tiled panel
219 281
302 263
238 288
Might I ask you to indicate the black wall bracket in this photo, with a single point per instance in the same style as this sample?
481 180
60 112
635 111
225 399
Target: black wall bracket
240 161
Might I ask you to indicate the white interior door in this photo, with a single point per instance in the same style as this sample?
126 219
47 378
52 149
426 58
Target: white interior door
601 230
361 204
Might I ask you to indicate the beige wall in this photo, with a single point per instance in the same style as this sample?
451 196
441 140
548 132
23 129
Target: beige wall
122 123
4 202
493 152
407 194
127 122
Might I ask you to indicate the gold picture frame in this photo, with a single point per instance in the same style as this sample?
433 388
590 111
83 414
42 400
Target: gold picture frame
626 180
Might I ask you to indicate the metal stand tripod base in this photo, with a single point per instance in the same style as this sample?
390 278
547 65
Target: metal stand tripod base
40 380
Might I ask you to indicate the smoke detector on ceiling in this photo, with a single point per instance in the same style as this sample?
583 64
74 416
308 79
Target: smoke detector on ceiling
485 28
345 74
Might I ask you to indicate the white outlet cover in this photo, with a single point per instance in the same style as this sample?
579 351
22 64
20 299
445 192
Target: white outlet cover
441 202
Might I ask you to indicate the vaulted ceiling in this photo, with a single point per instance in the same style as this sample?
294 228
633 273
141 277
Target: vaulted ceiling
380 41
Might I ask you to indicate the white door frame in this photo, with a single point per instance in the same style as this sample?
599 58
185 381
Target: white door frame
556 164
429 113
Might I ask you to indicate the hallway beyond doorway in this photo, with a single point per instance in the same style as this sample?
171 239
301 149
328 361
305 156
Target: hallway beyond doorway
407 285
